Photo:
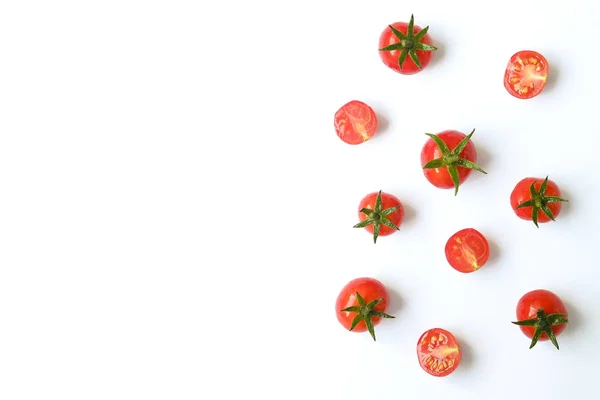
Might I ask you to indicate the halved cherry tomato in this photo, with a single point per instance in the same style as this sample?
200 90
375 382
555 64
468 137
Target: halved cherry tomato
355 122
536 199
438 352
542 316
361 304
405 47
467 250
380 213
526 74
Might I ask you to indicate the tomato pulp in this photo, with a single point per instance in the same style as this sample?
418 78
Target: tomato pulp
467 250
526 74
438 352
355 122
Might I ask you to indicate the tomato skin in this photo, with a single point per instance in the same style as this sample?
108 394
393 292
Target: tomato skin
387 201
521 193
534 300
390 58
526 74
439 177
436 346
467 250
370 289
355 122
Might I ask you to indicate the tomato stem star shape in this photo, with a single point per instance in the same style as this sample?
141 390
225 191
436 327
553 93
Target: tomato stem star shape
377 217
451 159
543 323
409 43
365 312
539 201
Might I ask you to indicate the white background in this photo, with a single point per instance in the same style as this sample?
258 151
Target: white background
176 210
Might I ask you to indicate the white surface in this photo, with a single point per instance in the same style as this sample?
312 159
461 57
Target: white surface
176 210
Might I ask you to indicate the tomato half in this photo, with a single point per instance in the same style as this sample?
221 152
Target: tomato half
438 352
380 213
355 122
542 316
467 250
526 74
448 158
405 47
361 305
536 199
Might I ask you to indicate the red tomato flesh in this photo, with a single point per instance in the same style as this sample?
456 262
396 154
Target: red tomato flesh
467 250
526 74
438 352
355 122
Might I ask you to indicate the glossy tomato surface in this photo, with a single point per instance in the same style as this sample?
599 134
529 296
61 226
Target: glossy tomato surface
438 352
355 122
387 201
526 74
521 193
440 177
467 250
390 58
540 299
370 289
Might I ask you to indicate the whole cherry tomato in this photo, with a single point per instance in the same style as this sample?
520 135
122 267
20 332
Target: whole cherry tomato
406 48
542 316
361 305
537 200
448 158
380 213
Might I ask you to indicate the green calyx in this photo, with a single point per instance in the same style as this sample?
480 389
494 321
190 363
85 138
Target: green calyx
365 312
539 202
451 159
409 43
543 323
377 217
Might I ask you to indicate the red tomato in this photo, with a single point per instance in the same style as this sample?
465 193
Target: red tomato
406 48
448 158
526 74
355 122
542 316
467 250
380 213
536 199
361 304
438 352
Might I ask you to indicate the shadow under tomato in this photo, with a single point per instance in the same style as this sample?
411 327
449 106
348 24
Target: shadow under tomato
565 209
439 54
553 74
382 124
395 302
494 253
574 324
409 215
467 357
